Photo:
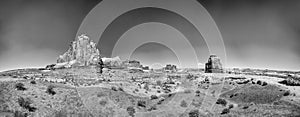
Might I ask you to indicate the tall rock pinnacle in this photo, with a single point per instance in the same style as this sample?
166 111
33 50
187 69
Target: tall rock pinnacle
82 52
213 65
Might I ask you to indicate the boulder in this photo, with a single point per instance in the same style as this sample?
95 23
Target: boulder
82 52
213 65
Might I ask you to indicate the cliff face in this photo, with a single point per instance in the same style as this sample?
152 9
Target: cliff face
82 52
213 65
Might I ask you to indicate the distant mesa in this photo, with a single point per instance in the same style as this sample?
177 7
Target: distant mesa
213 65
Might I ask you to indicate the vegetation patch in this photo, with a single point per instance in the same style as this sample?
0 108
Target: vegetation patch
26 104
255 93
20 86
50 90
291 82
221 101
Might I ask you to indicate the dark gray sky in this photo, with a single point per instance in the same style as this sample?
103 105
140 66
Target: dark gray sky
256 33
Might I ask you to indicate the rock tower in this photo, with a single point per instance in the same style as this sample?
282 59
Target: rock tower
82 52
213 65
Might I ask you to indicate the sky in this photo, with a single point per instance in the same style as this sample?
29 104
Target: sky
257 33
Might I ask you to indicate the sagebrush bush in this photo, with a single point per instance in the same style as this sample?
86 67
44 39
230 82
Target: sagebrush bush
291 82
194 113
225 111
20 86
221 101
131 111
25 103
153 97
50 90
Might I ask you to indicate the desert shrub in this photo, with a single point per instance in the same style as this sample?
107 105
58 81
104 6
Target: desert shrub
101 94
131 111
32 82
291 82
221 101
25 103
103 102
225 111
264 83
286 93
60 113
153 97
198 93
190 77
146 87
20 114
183 103
230 106
194 113
20 86
121 89
141 103
187 91
245 107
152 108
50 90
159 83
160 101
259 82
114 88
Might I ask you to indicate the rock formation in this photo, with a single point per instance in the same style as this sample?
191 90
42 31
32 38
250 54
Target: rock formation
213 65
82 52
132 63
170 68
112 62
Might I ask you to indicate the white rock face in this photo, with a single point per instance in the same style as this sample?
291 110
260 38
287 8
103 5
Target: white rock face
112 62
82 52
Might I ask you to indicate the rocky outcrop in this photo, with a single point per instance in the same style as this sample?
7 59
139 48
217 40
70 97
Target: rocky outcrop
112 62
82 52
170 68
132 64
213 65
